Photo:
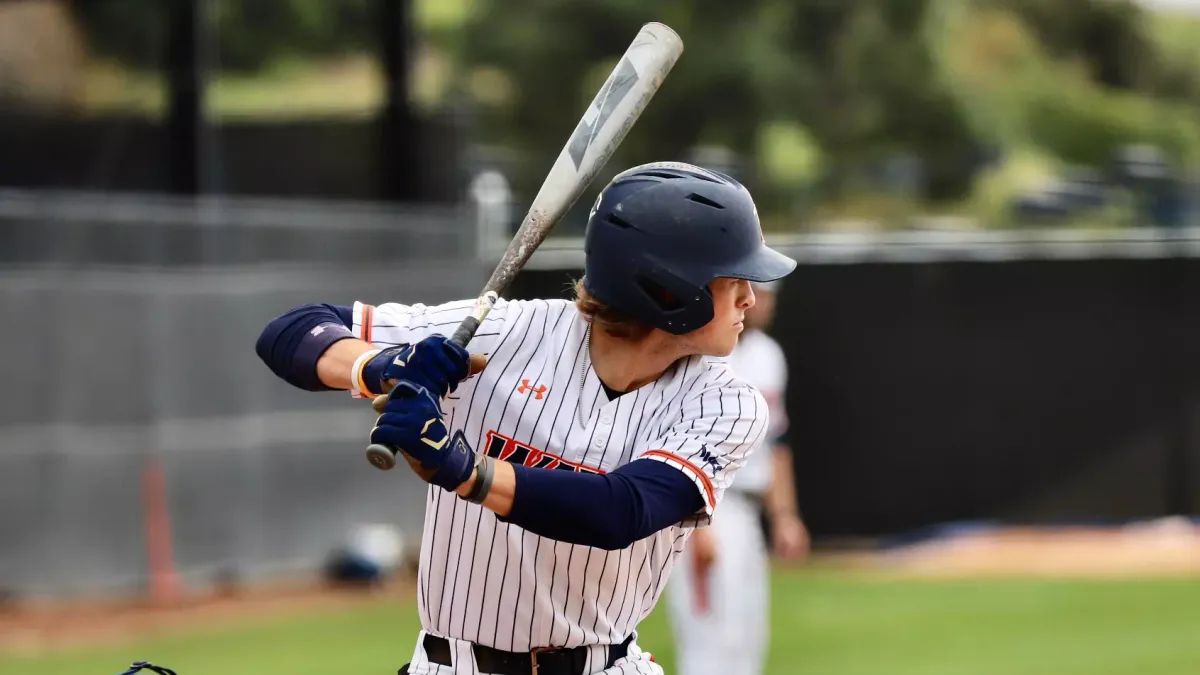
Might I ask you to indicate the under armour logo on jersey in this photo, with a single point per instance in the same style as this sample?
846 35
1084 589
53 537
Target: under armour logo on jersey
537 391
708 458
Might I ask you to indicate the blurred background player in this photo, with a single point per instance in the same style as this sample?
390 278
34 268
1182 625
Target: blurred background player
718 597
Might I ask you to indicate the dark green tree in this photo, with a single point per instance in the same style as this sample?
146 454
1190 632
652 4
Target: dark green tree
855 72
247 34
1111 36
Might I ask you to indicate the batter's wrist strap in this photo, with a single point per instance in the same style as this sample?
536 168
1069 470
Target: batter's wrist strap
484 472
358 387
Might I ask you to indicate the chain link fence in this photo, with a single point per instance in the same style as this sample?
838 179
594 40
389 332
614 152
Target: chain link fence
128 356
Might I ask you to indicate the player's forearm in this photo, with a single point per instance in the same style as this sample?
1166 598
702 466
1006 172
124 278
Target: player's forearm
781 490
292 344
604 511
335 363
500 496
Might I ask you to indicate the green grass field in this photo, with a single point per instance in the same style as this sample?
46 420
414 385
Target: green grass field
823 622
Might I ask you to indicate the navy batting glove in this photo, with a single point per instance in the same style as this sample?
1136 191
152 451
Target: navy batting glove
412 421
434 363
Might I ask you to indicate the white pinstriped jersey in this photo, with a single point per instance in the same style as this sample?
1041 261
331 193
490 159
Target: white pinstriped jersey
495 584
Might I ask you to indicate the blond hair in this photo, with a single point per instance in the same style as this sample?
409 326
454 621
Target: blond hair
611 321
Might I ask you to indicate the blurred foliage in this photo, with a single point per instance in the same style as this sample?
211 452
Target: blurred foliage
1109 36
849 81
249 34
1087 125
879 108
1055 97
996 185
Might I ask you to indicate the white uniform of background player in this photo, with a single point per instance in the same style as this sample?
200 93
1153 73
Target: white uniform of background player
718 595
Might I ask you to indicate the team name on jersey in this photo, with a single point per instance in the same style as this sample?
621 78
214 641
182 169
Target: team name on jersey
511 450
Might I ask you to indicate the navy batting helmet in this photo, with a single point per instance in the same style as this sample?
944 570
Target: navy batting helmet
660 232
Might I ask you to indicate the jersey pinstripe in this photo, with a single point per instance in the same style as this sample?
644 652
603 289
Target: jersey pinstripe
538 402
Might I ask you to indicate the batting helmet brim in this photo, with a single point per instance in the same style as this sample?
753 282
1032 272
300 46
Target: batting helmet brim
764 264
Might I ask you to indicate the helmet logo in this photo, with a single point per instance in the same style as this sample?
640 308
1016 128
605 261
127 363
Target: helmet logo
596 205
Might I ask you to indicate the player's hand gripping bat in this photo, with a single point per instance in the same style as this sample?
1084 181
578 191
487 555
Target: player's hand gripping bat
617 105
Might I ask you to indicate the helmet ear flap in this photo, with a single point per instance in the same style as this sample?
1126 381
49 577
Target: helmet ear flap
664 299
678 306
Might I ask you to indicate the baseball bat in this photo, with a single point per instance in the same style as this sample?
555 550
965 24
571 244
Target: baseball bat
607 120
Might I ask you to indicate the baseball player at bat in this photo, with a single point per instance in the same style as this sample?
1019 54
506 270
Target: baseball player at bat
567 475
719 597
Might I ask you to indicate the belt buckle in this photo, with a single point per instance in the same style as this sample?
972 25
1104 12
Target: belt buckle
533 654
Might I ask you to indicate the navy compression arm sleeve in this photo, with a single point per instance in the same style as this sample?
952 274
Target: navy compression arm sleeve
290 348
609 511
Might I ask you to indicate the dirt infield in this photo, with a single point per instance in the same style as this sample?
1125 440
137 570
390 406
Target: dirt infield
1169 546
33 629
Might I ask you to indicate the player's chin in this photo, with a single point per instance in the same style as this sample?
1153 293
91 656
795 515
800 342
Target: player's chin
723 345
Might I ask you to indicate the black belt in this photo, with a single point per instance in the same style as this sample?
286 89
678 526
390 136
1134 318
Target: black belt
560 661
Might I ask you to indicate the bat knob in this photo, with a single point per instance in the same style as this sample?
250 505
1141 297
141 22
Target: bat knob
381 457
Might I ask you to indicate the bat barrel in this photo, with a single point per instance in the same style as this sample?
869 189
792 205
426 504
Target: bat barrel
607 120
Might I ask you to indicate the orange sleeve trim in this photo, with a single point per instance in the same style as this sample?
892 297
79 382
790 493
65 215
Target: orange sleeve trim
708 486
368 320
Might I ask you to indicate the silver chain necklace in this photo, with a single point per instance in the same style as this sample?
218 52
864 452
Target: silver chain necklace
587 354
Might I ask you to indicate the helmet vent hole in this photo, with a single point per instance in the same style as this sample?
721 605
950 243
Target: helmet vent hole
619 222
703 174
661 174
701 199
661 296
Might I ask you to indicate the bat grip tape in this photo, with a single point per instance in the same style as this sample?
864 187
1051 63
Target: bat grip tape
465 331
